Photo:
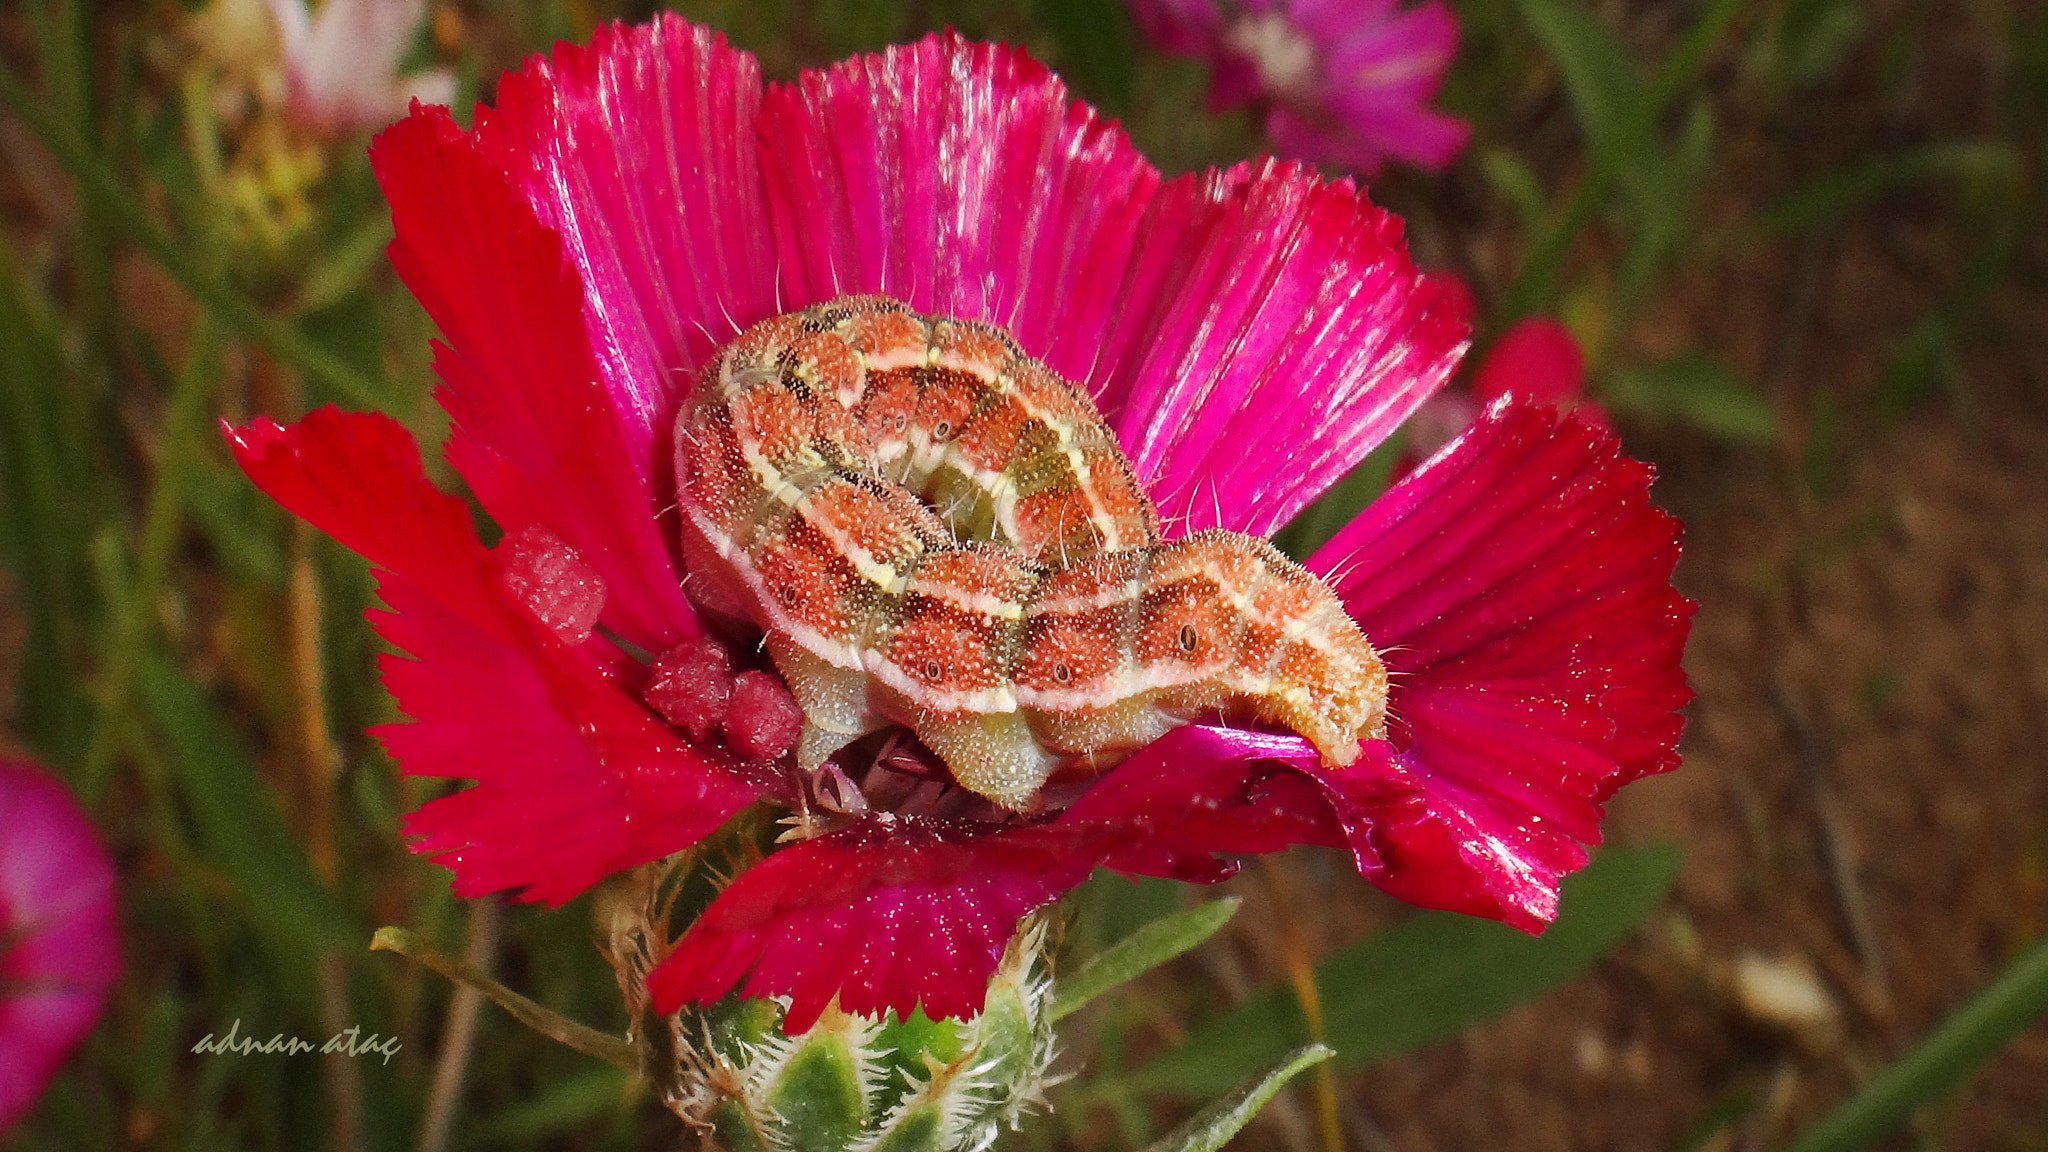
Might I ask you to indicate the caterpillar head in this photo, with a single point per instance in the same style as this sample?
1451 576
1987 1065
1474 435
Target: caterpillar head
1130 644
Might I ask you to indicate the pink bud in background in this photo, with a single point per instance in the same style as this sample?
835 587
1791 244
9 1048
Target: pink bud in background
341 64
1536 357
58 948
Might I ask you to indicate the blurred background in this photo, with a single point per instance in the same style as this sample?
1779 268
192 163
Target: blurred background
1792 251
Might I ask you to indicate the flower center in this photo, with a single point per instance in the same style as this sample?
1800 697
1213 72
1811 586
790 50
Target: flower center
1285 58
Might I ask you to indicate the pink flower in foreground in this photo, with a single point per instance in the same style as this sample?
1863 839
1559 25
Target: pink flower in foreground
58 950
1249 334
1343 82
341 64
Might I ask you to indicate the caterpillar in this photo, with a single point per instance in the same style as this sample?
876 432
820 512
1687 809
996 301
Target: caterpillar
933 529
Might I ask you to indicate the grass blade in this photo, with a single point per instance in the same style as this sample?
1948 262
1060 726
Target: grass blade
1208 1129
1947 1057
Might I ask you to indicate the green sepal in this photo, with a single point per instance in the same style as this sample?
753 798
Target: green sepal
818 1097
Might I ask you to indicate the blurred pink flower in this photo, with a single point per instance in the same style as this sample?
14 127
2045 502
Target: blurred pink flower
1341 82
58 948
1249 334
341 64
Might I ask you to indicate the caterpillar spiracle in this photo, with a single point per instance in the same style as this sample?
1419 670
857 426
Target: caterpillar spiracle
936 530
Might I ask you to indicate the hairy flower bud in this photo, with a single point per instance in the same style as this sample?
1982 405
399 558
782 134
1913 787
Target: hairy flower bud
849 1081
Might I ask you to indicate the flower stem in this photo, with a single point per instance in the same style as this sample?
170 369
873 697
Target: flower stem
1301 973
459 1036
547 1022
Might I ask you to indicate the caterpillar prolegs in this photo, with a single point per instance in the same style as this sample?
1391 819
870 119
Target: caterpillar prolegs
936 530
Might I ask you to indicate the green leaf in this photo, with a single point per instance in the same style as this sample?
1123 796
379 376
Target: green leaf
1517 184
1698 390
52 493
1814 35
1208 1129
1948 1056
239 826
1597 71
1140 952
1844 191
1425 979
345 267
1923 359
573 1102
1098 48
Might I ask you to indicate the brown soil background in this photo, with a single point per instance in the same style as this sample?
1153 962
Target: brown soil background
1863 803
1864 797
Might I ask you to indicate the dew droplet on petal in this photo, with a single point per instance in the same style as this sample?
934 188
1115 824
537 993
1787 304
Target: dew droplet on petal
691 686
553 580
764 719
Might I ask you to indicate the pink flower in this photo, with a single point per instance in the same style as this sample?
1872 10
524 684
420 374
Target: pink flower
1343 82
58 950
341 65
1249 334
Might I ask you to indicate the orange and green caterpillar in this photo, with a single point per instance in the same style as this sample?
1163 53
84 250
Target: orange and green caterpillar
936 530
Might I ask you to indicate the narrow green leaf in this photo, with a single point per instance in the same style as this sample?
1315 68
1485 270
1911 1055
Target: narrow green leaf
1425 979
1942 1061
1697 389
1844 191
1517 184
1536 287
1923 359
239 826
1597 71
1140 952
345 267
1812 37
52 496
1210 1128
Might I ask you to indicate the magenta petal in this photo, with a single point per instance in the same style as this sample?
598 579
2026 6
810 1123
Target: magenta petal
538 435
888 914
1277 332
575 779
1201 790
59 945
639 150
1519 587
1250 334
960 178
